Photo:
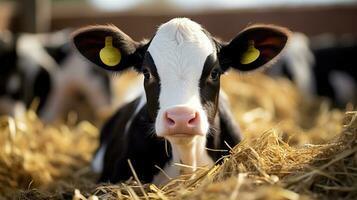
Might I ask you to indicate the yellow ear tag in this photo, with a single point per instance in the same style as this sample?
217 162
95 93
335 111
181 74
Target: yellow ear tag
110 55
250 55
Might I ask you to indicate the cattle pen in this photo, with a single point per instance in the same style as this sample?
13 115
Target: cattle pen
294 146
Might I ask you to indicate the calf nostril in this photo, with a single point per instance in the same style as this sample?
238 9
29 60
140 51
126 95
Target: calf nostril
169 121
193 120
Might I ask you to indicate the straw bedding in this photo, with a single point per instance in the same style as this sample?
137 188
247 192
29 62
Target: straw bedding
294 148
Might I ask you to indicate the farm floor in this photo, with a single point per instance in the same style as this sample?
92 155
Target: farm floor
293 149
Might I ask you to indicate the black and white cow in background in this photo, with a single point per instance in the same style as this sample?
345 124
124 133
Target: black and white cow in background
44 66
182 65
324 65
21 78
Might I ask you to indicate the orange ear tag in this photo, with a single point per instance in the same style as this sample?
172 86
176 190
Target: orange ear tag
110 55
250 55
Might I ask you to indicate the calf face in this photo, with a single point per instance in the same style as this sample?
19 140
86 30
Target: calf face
182 65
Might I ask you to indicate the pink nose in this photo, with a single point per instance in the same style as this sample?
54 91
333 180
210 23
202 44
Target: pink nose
182 120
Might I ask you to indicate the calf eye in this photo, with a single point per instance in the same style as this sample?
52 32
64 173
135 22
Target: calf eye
215 75
146 74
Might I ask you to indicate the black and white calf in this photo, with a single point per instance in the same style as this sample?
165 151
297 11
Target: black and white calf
22 78
321 66
44 66
182 65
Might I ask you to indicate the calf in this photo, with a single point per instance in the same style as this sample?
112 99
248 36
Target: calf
182 65
44 66
321 66
21 78
77 86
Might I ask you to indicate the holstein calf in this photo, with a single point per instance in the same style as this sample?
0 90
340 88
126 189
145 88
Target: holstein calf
44 66
182 65
22 78
321 66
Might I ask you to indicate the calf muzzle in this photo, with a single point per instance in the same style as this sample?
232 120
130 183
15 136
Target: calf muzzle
182 121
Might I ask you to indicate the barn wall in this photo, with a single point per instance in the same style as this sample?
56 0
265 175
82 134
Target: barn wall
140 23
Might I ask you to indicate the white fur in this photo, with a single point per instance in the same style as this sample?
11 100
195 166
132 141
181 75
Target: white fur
29 47
191 153
179 50
300 61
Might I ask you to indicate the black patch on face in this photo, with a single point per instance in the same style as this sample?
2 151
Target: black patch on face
151 85
209 86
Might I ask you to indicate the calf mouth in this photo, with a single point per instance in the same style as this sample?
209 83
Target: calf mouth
182 138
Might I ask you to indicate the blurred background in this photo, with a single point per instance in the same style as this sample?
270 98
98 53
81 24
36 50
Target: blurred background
319 59
139 18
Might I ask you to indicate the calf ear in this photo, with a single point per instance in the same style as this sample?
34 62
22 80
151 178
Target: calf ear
256 46
109 48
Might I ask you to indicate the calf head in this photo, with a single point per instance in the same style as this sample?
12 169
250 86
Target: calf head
182 65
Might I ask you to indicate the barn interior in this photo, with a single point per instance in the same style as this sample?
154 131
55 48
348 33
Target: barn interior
300 133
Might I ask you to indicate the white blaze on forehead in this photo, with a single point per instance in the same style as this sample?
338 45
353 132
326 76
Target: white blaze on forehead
179 50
